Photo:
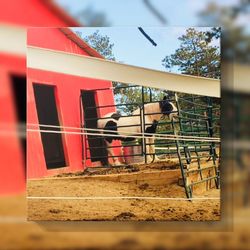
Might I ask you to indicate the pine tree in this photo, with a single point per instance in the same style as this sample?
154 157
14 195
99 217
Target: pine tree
196 55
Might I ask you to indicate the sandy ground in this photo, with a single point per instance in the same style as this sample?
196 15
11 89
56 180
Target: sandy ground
158 180
231 232
17 233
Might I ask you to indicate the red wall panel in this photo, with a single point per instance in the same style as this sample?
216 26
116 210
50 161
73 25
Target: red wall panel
12 177
19 13
67 93
68 90
31 13
52 38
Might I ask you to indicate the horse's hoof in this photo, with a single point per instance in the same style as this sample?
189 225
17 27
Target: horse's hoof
157 159
149 159
117 163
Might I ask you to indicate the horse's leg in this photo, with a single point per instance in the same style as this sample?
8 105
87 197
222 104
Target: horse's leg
111 153
152 149
148 153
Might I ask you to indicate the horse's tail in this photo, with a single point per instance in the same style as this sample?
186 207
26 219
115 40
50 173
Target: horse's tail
105 162
103 151
104 158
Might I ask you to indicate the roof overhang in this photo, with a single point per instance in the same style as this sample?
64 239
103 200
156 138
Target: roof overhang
241 78
80 43
13 40
62 14
85 66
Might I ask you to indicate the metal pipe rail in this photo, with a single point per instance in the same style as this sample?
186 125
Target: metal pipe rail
114 88
191 132
156 135
120 104
191 102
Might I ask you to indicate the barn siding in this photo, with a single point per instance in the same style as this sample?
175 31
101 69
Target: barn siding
12 178
33 13
52 38
21 14
67 93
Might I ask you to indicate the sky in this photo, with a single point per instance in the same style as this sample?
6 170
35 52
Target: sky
135 12
131 47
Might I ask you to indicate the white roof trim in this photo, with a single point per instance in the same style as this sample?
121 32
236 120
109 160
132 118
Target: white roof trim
13 40
84 66
241 78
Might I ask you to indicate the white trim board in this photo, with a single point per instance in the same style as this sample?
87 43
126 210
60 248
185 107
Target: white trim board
13 39
85 66
241 78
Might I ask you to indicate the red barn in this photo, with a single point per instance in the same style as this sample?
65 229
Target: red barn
53 99
15 17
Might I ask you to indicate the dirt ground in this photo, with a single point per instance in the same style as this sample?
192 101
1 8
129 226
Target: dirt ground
155 180
231 232
17 233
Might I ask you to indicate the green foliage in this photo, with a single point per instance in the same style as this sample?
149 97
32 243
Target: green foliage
194 45
92 18
215 32
102 44
196 55
236 39
133 95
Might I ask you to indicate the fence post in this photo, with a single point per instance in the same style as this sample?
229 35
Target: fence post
144 145
188 190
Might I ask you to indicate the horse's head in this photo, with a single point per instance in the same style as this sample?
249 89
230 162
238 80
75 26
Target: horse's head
168 108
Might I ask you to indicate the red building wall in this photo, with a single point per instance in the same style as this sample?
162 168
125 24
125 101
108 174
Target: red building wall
38 13
12 164
67 92
52 38
22 14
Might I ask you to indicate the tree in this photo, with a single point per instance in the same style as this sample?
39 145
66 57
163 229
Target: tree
91 18
196 55
100 43
130 95
125 95
236 39
215 32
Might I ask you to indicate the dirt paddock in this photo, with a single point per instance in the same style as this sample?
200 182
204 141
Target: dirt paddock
74 196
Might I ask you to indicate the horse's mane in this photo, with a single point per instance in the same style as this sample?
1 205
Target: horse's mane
116 116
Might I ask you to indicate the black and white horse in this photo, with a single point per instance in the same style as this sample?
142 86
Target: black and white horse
117 125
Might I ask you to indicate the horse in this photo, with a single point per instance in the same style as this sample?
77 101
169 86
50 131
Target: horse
125 127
